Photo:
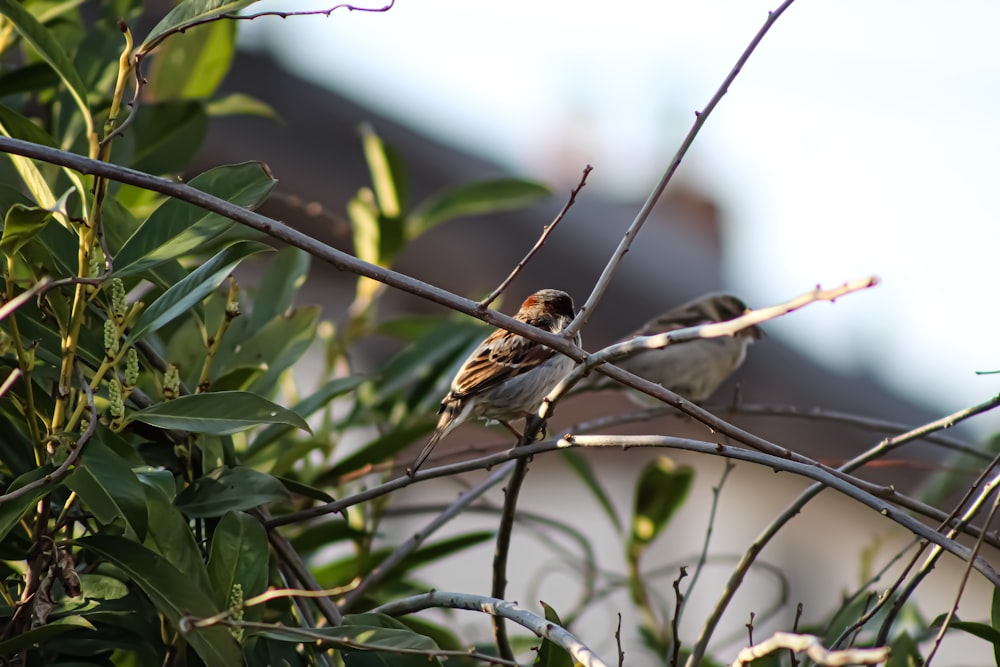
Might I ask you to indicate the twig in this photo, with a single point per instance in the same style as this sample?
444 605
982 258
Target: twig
647 208
675 622
275 229
510 610
846 485
505 531
290 557
711 330
71 458
813 648
703 556
25 296
935 551
887 445
9 382
190 624
546 231
946 623
250 17
400 553
818 413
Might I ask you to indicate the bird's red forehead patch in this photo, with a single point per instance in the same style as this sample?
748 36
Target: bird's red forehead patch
530 301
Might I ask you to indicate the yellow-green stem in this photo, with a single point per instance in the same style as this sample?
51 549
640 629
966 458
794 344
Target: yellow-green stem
88 235
22 361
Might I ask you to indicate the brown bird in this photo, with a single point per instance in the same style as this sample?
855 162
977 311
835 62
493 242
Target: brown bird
507 376
696 368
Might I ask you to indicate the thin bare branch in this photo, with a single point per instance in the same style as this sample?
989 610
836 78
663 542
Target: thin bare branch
546 231
813 648
700 117
493 606
399 554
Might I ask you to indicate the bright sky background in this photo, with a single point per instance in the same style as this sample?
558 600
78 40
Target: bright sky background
861 138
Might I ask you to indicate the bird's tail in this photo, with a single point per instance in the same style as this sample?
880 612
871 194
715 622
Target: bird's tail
425 452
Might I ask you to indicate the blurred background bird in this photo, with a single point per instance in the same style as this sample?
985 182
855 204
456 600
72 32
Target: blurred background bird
507 376
693 369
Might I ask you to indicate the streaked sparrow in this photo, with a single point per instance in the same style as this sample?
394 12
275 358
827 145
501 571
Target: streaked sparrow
507 376
696 368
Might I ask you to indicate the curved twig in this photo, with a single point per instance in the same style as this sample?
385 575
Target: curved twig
579 651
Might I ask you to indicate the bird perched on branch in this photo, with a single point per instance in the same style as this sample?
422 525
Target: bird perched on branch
693 369
507 376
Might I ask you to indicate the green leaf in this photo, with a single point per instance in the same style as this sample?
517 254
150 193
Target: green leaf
218 413
170 535
193 289
43 634
904 652
187 14
11 511
172 592
192 65
240 104
660 491
275 346
549 654
20 225
21 127
372 630
109 488
306 407
238 556
284 277
382 174
168 136
49 48
229 490
176 227
581 466
492 196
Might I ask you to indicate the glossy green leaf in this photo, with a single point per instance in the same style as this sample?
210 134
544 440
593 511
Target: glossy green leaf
217 413
306 407
170 535
49 48
278 286
549 654
173 593
238 555
11 511
109 488
365 225
493 196
189 13
177 228
229 490
20 225
660 491
168 135
275 346
193 289
44 633
192 65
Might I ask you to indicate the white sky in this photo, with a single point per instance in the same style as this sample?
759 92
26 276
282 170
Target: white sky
862 137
